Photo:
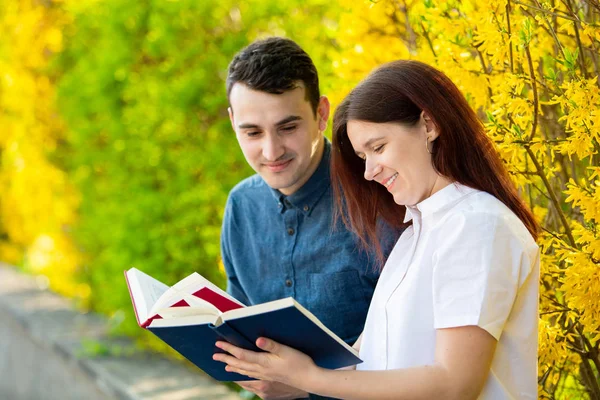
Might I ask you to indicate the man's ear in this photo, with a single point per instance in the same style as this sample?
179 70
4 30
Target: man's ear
431 128
323 113
230 111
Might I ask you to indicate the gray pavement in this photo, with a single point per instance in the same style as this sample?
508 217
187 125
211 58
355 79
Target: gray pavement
43 343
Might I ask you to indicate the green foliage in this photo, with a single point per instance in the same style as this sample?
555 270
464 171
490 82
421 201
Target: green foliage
149 144
139 125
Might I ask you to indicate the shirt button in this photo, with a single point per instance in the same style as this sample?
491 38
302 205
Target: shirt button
290 231
279 205
306 208
288 282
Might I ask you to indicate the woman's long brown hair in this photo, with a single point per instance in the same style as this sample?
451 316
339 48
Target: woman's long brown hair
398 92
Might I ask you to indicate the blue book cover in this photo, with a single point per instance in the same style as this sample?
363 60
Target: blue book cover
197 344
284 321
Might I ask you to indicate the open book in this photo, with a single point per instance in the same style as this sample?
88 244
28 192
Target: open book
194 313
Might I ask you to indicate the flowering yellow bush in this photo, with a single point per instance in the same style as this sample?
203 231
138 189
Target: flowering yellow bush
37 201
140 129
530 69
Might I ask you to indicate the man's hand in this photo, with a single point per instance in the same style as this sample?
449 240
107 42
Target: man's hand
273 390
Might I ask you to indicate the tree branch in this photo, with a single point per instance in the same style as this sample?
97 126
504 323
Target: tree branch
555 14
578 38
510 49
536 102
553 197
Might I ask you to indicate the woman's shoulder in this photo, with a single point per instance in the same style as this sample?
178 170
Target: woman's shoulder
482 203
480 214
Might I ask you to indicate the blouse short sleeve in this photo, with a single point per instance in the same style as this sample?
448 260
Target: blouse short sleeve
480 262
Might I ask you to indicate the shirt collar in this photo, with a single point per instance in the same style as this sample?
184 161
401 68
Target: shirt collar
438 201
305 198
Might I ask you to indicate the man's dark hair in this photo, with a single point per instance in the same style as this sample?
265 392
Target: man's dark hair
275 65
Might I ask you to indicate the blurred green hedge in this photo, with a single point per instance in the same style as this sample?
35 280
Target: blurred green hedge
141 89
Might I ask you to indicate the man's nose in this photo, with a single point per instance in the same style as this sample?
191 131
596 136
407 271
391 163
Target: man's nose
273 148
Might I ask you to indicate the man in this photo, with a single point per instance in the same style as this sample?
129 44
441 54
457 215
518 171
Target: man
278 238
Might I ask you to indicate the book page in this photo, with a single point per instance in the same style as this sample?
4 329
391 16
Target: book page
197 282
145 291
200 288
177 304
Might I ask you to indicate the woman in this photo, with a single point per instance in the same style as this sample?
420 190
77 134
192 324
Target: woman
454 315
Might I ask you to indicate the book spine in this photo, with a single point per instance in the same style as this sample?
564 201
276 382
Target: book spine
234 337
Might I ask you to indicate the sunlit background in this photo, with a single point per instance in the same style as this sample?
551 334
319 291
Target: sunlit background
116 149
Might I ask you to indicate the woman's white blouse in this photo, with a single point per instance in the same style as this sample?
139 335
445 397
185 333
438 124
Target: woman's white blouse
466 260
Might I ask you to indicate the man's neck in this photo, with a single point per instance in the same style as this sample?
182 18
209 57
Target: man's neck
320 150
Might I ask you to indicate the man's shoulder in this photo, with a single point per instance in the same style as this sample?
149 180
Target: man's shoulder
245 200
249 187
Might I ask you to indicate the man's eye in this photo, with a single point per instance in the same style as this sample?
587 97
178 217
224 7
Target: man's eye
252 134
288 128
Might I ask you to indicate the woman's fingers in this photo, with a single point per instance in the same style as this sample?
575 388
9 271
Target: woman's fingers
277 362
260 365
239 358
268 345
239 353
238 366
231 360
240 371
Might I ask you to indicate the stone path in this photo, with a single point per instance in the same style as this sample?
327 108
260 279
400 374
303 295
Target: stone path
42 343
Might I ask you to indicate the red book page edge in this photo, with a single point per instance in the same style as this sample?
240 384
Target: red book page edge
149 321
222 303
181 303
217 300
137 317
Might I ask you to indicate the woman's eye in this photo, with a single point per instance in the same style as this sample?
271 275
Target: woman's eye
379 148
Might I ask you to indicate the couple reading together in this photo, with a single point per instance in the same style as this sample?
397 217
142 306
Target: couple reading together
404 235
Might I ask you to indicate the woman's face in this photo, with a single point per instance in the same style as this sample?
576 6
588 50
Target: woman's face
396 157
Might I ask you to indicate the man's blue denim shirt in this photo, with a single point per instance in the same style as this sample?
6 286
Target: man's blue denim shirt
275 246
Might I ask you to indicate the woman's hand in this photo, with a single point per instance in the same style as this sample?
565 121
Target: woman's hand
278 363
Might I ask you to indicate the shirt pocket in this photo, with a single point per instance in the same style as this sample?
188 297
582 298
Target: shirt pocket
338 299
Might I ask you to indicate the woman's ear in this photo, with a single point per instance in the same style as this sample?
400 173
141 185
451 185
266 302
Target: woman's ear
431 128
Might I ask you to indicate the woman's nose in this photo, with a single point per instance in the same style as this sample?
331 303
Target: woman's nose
371 170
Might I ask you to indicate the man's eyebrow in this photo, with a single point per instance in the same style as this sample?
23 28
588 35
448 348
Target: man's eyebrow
284 121
248 126
368 143
289 119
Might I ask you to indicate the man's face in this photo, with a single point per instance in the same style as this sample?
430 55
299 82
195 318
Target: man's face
279 134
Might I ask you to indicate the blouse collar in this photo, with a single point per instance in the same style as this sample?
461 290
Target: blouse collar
441 199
